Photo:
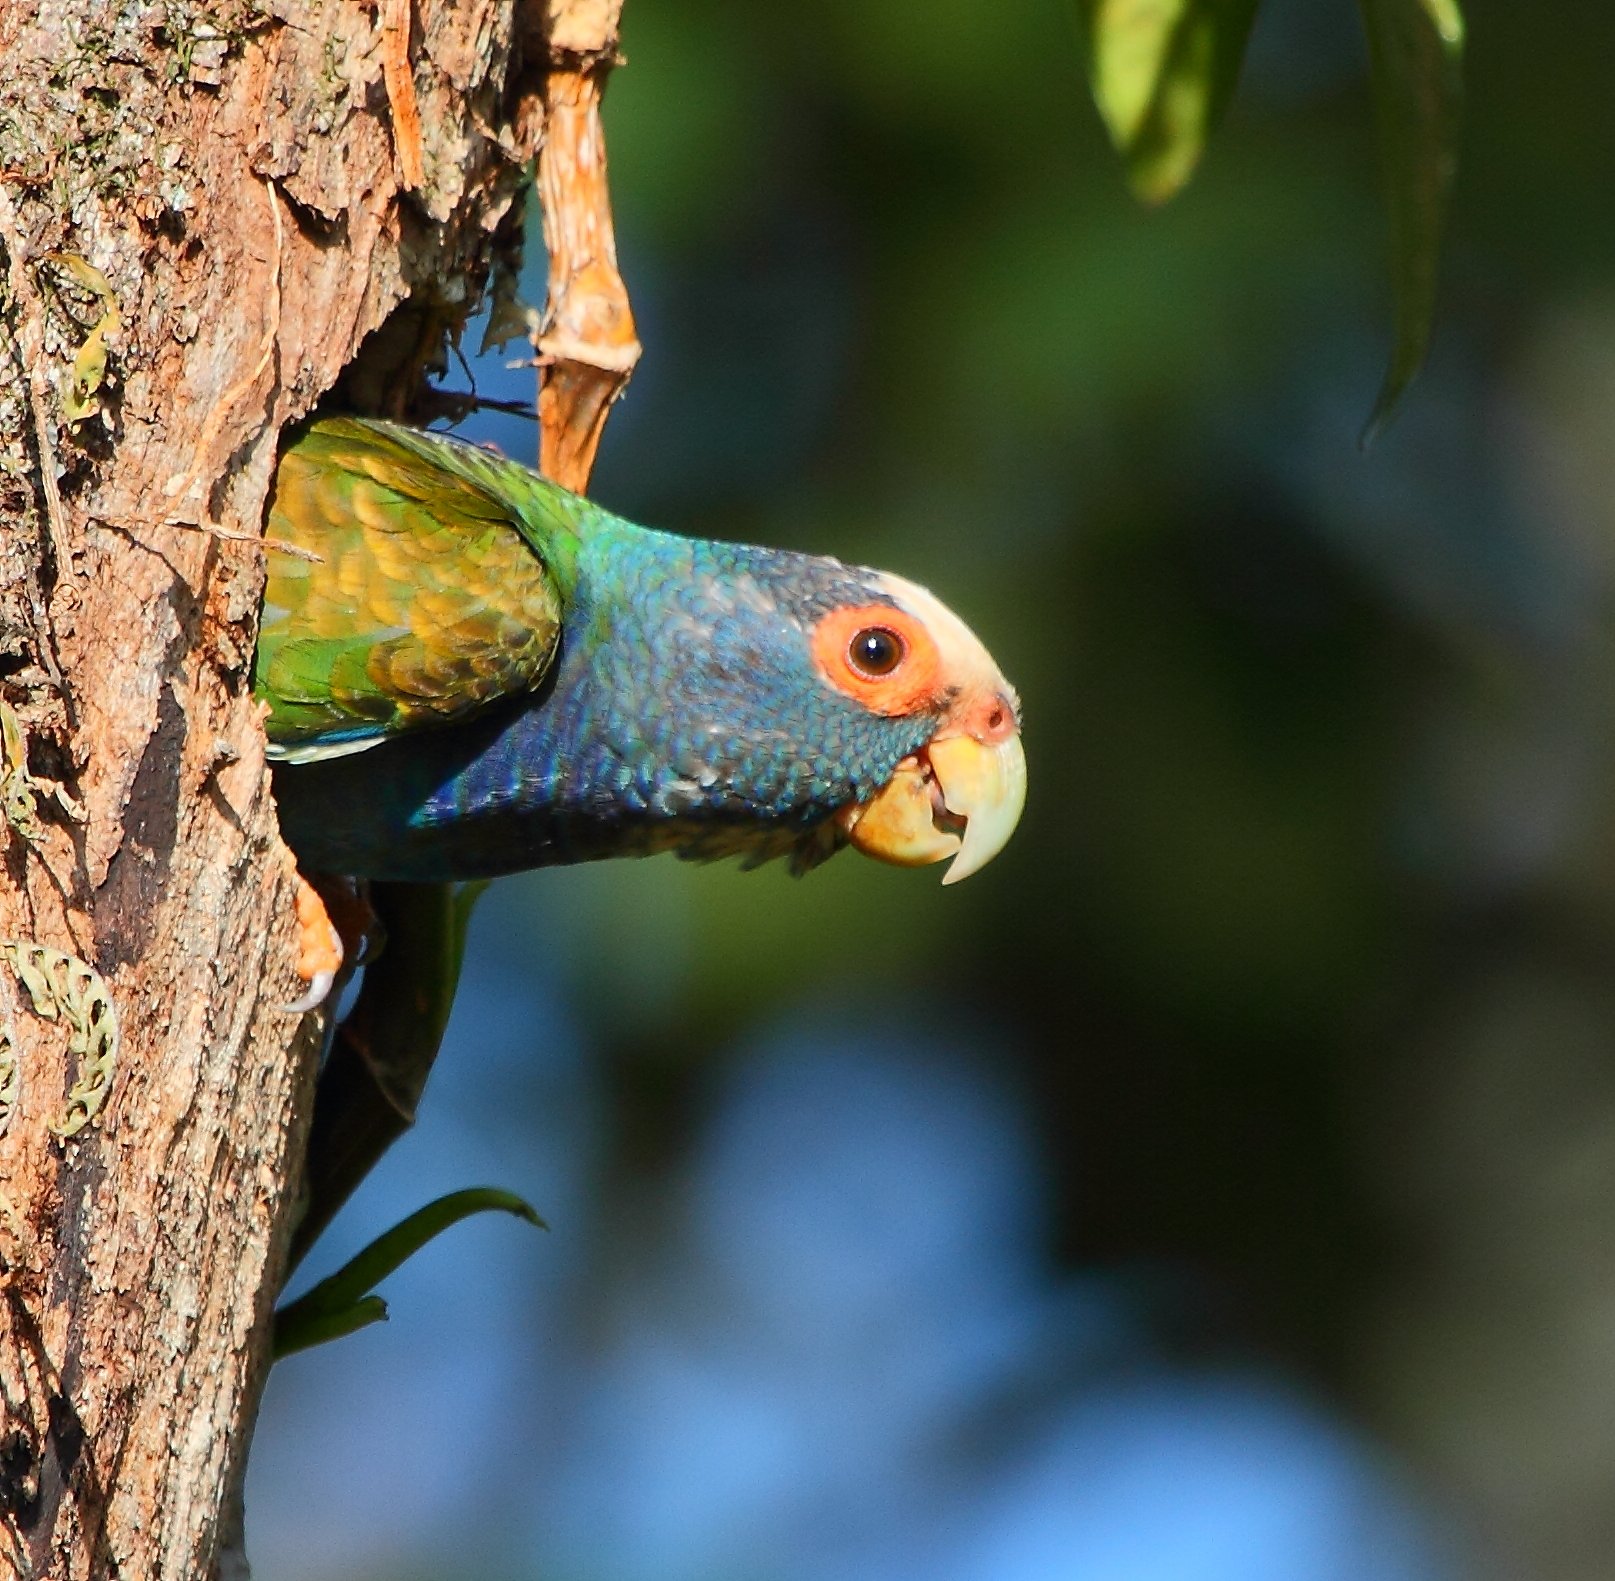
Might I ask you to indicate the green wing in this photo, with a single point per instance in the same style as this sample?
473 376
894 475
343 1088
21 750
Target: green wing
440 583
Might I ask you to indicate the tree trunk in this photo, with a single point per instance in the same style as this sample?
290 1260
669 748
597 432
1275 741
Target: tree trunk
203 222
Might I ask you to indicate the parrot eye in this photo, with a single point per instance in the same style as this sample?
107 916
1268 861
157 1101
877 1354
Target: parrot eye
881 657
875 651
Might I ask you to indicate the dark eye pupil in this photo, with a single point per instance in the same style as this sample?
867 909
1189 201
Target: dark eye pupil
876 651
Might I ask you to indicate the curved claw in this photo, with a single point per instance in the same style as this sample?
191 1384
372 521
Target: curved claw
319 949
318 991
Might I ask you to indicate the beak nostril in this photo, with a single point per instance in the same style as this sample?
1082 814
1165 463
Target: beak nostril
995 720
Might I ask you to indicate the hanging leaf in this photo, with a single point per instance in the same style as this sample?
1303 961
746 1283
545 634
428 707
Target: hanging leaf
1162 72
305 1330
342 1303
1415 50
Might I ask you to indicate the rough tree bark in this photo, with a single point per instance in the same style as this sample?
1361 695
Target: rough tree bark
211 217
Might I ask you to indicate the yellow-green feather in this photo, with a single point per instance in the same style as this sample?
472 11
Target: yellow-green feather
429 599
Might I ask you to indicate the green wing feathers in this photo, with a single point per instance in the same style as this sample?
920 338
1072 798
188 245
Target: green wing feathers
439 587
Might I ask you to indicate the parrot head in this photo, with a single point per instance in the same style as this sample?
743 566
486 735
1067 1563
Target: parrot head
960 793
764 703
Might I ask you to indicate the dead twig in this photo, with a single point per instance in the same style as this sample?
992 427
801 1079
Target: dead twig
587 345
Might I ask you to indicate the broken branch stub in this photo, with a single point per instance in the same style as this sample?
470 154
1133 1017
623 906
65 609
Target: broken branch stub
587 345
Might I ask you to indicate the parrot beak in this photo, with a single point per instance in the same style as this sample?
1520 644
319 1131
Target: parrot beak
960 796
984 785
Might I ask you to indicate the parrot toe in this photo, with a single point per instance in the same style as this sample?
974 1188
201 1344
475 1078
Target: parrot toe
319 949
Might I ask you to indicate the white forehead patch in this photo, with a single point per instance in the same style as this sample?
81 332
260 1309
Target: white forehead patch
968 663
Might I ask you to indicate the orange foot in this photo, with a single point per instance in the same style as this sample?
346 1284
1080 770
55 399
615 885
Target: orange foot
319 948
334 924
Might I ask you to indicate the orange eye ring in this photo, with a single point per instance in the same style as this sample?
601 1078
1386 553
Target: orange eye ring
851 644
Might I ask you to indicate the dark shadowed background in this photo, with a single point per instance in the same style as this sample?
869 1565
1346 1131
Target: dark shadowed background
1221 1187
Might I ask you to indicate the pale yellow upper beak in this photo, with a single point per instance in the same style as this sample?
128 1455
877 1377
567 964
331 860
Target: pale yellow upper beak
986 786
958 797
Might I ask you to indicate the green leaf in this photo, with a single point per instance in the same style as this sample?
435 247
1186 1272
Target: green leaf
1415 50
341 1303
1162 72
307 1330
462 902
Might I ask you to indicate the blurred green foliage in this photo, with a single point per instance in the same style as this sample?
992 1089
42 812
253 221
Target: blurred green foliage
1162 75
1415 51
1163 71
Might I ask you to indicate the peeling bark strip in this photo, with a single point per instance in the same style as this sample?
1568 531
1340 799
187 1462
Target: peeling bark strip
247 182
587 346
400 80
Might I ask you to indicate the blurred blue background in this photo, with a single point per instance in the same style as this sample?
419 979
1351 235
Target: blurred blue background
1222 1185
